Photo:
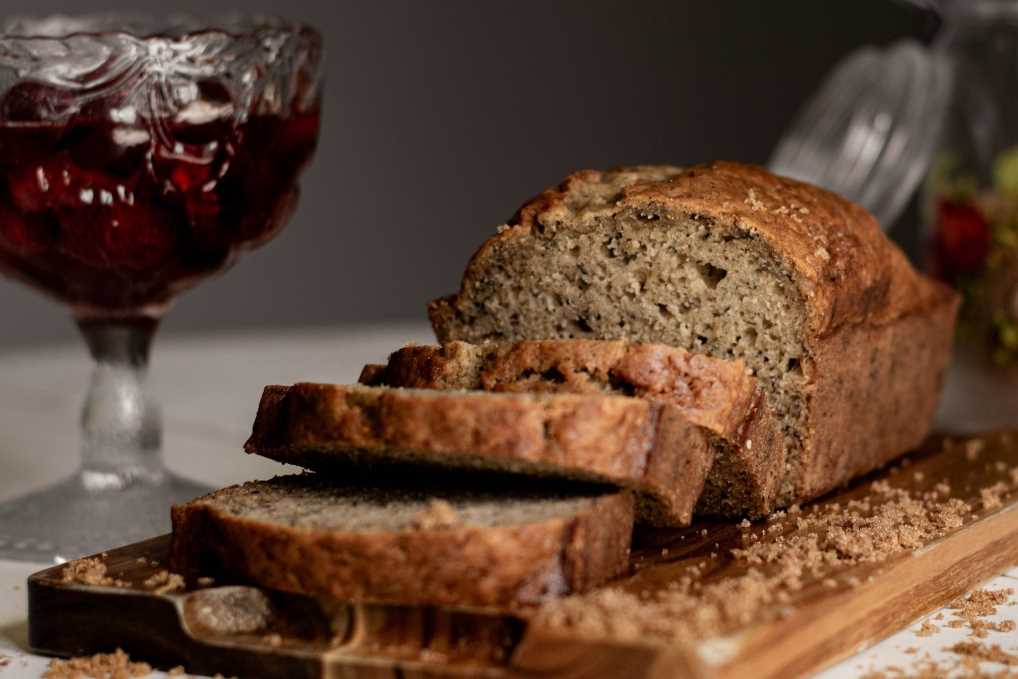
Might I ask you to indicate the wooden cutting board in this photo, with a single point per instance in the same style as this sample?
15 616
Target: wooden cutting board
832 611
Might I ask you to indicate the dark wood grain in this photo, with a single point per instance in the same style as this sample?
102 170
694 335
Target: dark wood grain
241 631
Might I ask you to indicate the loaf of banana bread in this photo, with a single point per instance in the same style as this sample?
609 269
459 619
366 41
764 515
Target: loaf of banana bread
847 340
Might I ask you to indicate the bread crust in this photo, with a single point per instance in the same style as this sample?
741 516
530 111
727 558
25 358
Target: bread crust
504 567
848 272
860 294
624 441
875 393
717 395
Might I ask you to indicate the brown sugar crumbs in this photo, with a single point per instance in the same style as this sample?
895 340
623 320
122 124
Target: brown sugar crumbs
991 653
991 497
970 612
980 629
164 582
116 665
90 571
981 603
809 546
963 667
438 514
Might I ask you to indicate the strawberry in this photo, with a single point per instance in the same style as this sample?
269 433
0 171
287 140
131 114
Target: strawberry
962 241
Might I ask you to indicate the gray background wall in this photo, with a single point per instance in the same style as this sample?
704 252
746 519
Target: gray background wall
442 116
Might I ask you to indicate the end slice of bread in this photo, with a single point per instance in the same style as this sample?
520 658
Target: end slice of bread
628 442
411 542
716 394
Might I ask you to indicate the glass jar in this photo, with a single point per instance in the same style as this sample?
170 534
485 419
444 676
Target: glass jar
969 208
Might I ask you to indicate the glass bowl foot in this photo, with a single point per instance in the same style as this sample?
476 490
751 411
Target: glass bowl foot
87 514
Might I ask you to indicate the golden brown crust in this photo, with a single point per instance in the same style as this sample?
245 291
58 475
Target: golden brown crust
594 437
848 271
467 566
372 374
879 392
715 394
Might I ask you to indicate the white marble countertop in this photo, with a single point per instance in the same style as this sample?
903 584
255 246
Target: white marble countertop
209 388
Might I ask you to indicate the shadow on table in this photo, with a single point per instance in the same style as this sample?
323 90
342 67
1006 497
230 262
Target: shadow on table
17 634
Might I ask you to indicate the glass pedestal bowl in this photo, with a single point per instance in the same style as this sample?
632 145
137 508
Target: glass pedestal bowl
137 157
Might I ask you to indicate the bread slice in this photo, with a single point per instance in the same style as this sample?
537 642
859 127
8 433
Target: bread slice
418 542
717 395
629 442
848 342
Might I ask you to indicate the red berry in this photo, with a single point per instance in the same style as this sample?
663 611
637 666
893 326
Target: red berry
29 188
32 102
208 227
118 236
197 145
962 239
139 240
190 177
25 235
299 135
110 133
190 169
58 182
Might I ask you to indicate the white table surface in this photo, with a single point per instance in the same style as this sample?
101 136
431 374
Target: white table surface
209 388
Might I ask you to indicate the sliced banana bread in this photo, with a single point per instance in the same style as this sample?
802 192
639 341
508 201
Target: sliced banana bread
848 342
630 442
717 395
419 542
